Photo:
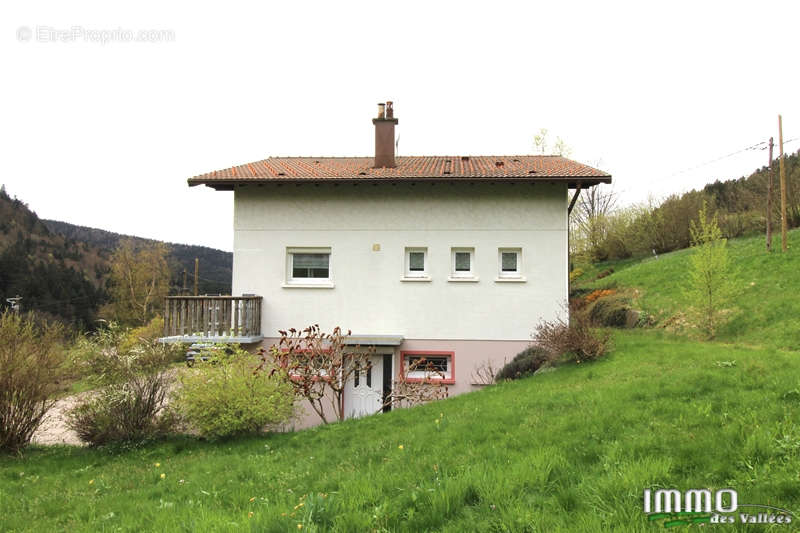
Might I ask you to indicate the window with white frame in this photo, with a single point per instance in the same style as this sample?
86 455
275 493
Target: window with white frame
509 263
416 263
462 263
420 365
308 266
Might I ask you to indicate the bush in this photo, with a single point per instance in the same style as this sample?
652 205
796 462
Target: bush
149 333
524 363
613 311
133 411
113 354
226 396
133 381
31 366
575 340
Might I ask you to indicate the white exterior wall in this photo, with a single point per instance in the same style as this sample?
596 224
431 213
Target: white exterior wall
369 296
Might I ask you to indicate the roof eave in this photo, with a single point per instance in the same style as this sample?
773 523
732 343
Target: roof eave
228 184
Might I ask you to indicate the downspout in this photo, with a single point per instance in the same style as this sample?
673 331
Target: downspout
569 212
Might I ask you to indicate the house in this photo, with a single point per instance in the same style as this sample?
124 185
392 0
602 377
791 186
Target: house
451 258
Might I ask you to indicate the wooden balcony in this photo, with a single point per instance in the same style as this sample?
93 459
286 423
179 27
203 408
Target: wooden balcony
217 319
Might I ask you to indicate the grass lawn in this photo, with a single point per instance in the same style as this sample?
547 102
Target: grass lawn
570 450
765 310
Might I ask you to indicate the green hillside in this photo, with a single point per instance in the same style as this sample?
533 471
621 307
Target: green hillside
570 450
765 308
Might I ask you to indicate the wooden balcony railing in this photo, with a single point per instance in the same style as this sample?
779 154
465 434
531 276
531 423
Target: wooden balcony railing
232 319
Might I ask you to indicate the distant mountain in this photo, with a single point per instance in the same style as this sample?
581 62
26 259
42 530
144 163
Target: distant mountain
62 270
215 272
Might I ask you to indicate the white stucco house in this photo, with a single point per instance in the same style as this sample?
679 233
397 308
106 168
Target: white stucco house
452 258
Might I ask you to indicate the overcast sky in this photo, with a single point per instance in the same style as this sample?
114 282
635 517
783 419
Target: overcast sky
105 134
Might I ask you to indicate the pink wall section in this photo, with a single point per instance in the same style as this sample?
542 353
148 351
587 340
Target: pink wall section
468 355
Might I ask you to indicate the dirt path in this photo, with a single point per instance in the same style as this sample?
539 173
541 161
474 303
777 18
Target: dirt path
53 429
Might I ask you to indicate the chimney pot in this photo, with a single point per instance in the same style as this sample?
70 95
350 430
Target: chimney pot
381 110
389 110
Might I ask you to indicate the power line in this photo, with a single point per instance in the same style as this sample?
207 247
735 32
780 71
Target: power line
763 145
784 142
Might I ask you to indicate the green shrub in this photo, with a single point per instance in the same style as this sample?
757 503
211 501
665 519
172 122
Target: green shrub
613 312
226 396
31 366
524 363
132 382
149 333
113 354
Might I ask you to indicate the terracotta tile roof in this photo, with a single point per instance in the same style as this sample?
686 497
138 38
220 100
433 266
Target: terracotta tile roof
410 168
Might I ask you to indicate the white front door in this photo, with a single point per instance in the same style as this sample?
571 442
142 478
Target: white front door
363 394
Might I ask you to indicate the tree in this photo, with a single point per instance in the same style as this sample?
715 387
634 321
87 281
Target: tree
408 392
589 220
541 143
710 284
319 366
562 148
139 282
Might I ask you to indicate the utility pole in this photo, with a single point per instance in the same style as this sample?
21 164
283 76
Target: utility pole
769 198
783 185
183 291
196 270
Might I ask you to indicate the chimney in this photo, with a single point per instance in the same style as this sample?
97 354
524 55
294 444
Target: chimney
384 136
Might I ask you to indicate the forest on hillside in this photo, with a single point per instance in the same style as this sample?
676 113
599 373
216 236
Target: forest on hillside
215 265
601 230
62 271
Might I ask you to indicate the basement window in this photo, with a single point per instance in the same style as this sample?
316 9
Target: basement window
428 366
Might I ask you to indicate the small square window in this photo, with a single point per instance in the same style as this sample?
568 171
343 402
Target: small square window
463 263
510 263
416 263
308 266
